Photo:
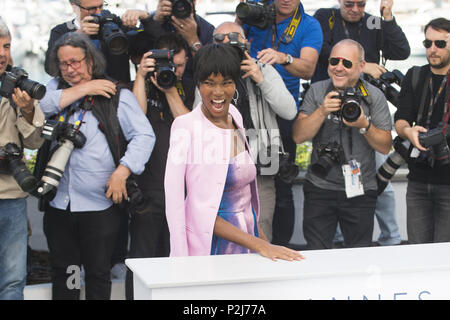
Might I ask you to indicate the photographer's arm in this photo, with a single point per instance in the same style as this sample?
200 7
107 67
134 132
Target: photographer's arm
380 140
307 126
302 67
95 87
405 131
176 105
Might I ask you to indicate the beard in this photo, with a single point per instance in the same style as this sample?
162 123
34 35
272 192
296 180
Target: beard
445 61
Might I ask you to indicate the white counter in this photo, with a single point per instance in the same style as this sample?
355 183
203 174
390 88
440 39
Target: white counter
398 272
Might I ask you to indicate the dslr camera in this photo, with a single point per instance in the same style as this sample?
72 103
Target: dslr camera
111 32
165 68
11 163
181 9
435 139
69 137
136 202
18 78
384 83
257 14
329 155
350 104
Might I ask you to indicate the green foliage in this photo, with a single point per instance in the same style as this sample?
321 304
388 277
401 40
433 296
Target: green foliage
30 159
303 156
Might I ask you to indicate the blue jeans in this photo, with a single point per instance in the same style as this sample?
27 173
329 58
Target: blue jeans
428 212
13 248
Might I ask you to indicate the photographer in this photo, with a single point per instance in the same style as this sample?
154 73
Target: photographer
261 97
149 233
179 16
81 222
294 55
350 21
21 121
422 118
117 66
340 183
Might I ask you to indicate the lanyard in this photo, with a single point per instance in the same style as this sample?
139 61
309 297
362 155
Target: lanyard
347 34
434 99
64 115
289 32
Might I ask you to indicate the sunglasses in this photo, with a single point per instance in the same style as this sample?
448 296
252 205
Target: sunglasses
351 4
335 61
232 36
441 44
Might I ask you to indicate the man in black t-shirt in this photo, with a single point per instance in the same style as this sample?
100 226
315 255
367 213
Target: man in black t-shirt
149 233
350 21
424 109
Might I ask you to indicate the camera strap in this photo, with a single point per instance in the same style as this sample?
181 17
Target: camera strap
434 99
289 32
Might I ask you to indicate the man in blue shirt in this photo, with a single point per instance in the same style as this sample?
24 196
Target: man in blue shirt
81 223
294 59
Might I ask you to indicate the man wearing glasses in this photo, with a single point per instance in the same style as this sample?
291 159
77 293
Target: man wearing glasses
346 193
350 21
117 66
424 106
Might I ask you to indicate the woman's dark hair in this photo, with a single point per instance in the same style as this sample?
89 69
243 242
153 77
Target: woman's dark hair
438 24
93 56
216 59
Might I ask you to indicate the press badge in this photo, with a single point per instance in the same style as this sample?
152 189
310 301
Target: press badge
353 179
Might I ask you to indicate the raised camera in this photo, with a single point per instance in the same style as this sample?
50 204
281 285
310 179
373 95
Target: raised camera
164 68
18 78
111 32
257 14
350 104
181 9
384 83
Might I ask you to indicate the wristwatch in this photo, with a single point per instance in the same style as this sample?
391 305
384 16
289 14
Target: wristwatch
364 130
289 60
196 46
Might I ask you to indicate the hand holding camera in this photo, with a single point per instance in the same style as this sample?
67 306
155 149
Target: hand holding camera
23 101
131 18
331 103
88 26
412 134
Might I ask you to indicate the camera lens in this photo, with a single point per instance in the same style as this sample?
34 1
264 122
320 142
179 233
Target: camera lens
166 78
322 166
115 39
351 110
24 178
181 9
34 89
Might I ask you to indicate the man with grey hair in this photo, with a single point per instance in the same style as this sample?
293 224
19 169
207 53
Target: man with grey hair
261 97
348 120
21 121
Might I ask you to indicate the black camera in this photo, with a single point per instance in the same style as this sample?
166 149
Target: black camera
350 104
328 155
288 170
181 9
11 163
69 137
394 161
436 140
384 83
239 46
111 32
164 68
257 14
18 78
136 202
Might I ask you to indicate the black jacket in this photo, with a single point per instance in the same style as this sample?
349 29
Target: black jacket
390 39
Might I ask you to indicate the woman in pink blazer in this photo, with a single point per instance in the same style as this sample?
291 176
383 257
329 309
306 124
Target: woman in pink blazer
209 170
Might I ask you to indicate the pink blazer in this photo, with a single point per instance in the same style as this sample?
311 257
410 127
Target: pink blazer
196 171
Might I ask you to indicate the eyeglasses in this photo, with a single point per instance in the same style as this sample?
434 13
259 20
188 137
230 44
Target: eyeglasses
351 4
95 8
75 64
441 44
220 37
335 61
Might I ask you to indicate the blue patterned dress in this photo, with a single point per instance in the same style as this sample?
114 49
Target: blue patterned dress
235 206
